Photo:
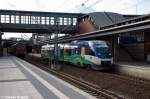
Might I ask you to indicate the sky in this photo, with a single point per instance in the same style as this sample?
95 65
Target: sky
77 6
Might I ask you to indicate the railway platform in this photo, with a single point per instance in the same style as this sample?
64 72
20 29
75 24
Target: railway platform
38 55
137 69
22 80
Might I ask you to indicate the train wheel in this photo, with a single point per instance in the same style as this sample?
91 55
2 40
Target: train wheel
96 67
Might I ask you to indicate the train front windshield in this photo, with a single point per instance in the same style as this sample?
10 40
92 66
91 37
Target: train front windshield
102 50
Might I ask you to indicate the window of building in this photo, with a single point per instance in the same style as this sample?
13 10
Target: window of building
60 21
52 20
7 19
43 20
47 20
74 21
65 21
12 19
2 18
17 19
69 21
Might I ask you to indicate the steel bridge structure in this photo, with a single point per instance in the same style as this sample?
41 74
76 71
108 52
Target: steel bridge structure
38 22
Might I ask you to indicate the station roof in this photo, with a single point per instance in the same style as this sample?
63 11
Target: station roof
105 18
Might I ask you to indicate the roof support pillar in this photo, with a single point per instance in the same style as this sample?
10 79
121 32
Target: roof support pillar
147 46
1 48
56 65
115 47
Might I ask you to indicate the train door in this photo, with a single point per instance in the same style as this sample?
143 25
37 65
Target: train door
82 51
67 54
61 54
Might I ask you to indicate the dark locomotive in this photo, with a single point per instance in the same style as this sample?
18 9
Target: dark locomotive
20 49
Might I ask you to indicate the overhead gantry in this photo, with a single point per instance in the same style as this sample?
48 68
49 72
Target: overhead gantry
38 22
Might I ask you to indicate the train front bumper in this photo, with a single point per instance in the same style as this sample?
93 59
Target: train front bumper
103 64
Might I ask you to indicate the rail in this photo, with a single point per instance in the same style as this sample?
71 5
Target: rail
87 87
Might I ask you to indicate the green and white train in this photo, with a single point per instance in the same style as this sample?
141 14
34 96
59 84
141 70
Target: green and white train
93 54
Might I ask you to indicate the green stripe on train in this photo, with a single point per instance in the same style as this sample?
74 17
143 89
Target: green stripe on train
75 59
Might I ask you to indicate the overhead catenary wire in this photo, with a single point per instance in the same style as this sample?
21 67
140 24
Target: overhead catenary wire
58 33
85 2
131 6
37 2
24 35
95 3
62 29
79 5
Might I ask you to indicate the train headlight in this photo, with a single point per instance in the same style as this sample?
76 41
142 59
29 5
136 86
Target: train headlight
109 54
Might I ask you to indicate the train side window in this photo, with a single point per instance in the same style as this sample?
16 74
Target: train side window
79 50
45 51
83 51
76 51
61 52
67 52
48 51
89 52
51 52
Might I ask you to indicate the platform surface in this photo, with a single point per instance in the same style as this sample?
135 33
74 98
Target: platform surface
137 69
22 80
38 55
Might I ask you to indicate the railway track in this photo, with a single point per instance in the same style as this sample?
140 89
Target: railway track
137 80
102 84
86 86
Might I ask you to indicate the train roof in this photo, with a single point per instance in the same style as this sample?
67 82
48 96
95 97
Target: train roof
61 46
91 41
